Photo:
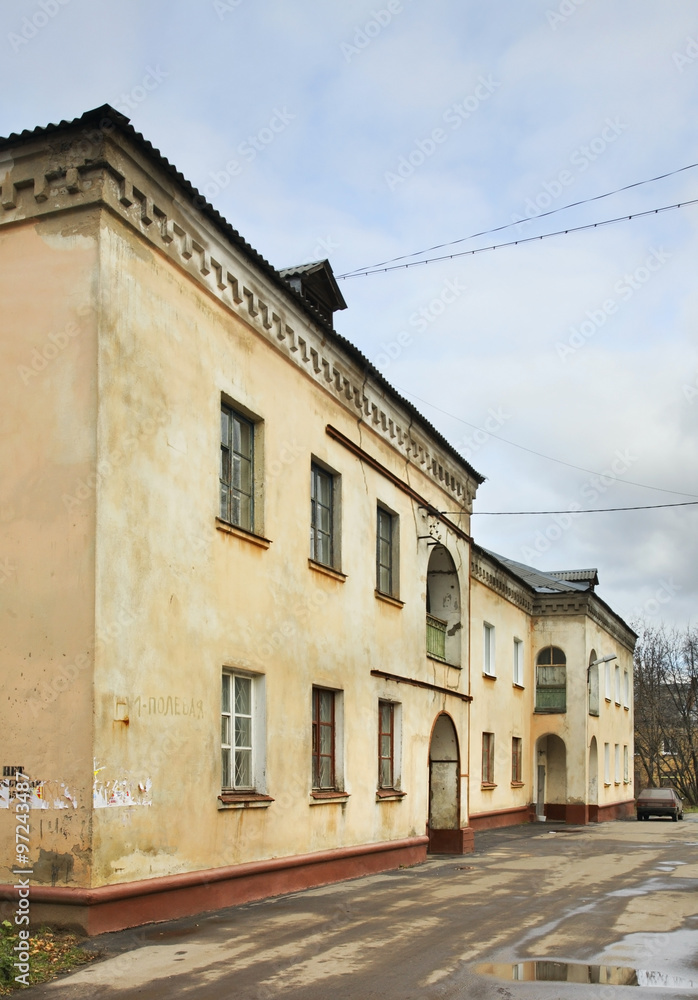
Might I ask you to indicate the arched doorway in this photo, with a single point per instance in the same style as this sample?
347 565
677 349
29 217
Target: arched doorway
593 781
551 778
445 835
443 607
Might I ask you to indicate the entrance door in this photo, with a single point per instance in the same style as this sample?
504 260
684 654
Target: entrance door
444 787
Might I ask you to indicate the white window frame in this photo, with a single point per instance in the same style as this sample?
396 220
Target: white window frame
489 667
617 683
518 664
607 763
616 757
626 765
626 688
258 740
608 685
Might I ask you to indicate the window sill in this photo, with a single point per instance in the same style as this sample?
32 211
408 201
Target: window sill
319 796
549 711
439 659
247 536
617 704
607 784
388 599
607 700
489 677
594 715
389 795
327 571
519 687
517 784
243 800
487 786
626 707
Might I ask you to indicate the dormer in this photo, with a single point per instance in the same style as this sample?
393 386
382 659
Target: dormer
316 283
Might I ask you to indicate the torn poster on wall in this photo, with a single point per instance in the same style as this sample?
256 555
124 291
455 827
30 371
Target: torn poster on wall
125 790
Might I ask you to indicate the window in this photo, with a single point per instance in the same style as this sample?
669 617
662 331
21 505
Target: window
593 685
488 758
516 759
237 469
488 650
386 744
626 765
617 673
386 553
518 663
551 680
323 510
616 756
242 728
626 689
607 763
607 694
326 725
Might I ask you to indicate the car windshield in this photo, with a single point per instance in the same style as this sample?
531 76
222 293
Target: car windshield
657 793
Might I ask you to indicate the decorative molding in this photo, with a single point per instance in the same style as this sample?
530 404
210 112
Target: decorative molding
47 176
495 576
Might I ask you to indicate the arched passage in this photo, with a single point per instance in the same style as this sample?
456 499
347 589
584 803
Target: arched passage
443 607
444 788
593 781
551 778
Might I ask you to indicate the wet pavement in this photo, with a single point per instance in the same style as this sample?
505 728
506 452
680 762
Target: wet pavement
537 911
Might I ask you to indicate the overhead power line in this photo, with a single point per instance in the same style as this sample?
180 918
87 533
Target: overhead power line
528 239
539 454
498 229
591 510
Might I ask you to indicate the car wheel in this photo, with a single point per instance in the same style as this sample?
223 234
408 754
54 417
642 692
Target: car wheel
681 816
675 817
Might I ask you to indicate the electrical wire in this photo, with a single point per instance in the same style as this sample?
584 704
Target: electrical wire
539 454
508 225
591 510
528 239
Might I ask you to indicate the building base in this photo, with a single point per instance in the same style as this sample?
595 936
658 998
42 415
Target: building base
503 817
130 904
452 841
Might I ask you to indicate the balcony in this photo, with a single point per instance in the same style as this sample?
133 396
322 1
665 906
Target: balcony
436 637
551 699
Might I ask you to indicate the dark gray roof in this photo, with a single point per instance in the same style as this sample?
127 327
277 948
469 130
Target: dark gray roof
107 113
547 583
590 576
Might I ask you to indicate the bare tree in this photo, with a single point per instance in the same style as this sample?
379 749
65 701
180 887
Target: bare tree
666 707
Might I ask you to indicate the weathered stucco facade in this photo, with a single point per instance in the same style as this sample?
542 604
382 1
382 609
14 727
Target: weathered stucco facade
208 708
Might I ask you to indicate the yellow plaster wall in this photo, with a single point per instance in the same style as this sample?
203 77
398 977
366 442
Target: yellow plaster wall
199 598
48 285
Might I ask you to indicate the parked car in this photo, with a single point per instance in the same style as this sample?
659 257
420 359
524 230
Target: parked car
659 802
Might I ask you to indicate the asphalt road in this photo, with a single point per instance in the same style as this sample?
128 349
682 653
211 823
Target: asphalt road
609 895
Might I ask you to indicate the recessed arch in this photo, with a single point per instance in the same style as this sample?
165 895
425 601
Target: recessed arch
444 785
443 607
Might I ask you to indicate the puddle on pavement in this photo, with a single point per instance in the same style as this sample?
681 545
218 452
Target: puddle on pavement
575 972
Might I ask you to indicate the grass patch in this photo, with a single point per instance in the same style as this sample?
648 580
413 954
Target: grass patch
50 953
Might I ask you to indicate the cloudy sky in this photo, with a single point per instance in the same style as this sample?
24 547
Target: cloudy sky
564 370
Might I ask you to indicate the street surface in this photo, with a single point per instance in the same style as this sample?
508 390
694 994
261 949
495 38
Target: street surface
615 894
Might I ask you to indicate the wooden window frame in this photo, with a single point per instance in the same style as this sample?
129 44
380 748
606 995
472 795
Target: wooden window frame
226 472
488 758
318 472
516 759
390 734
386 519
317 726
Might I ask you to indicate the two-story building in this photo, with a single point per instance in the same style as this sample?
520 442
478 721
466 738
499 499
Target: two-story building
245 650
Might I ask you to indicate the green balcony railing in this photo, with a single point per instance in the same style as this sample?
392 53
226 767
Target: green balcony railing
436 637
551 699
